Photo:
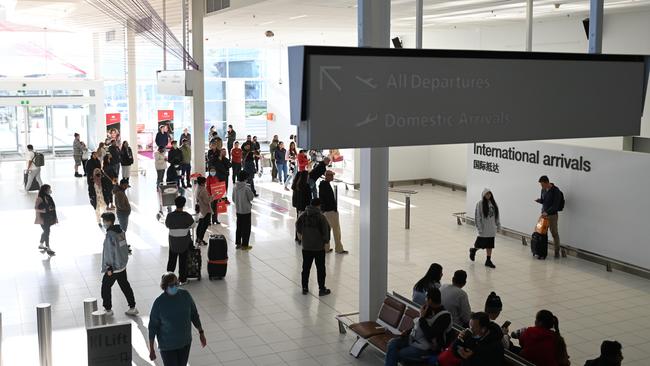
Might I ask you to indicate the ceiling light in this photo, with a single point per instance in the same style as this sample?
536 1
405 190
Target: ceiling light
298 17
267 23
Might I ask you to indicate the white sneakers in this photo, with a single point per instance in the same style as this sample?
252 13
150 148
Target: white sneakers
132 312
109 312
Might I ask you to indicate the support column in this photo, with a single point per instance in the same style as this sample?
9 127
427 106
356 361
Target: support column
373 19
132 94
198 88
95 122
529 25
596 10
419 15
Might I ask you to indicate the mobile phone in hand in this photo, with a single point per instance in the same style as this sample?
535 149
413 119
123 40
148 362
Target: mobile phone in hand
506 324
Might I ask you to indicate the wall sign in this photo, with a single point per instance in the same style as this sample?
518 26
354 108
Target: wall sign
606 193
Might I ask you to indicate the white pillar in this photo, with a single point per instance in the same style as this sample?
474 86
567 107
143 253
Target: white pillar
529 25
198 88
596 11
132 93
419 10
373 31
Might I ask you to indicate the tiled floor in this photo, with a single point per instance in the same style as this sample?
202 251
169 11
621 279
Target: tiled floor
257 315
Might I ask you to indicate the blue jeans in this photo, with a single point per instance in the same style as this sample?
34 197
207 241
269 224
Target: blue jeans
176 357
282 172
185 173
123 219
399 350
312 187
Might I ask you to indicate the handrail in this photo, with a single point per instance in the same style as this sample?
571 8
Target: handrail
511 358
403 191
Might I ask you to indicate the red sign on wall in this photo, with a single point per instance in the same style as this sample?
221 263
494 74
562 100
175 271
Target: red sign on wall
165 115
113 118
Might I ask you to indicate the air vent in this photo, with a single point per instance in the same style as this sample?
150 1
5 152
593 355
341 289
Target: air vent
212 6
110 36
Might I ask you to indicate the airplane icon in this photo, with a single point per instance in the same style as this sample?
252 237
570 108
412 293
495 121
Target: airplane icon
369 82
372 117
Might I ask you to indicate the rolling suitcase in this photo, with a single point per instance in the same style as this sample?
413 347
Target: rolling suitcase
194 263
217 257
539 245
35 186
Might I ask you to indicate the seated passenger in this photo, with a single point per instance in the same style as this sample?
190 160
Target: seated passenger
542 344
493 307
429 281
480 345
427 336
455 299
610 355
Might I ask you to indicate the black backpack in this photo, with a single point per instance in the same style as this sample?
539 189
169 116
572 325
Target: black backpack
39 159
562 202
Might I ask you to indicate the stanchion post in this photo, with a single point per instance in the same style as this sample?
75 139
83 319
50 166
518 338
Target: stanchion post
90 305
99 318
336 192
407 213
44 325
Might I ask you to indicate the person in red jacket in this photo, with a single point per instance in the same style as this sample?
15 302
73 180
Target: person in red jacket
212 180
542 344
235 160
303 160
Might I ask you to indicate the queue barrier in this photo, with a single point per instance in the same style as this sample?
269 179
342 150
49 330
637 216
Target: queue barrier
407 204
609 263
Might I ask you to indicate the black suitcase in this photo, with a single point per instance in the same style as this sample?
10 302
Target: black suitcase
217 257
194 263
539 245
35 186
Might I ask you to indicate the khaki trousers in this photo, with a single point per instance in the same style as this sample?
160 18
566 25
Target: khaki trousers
333 219
552 226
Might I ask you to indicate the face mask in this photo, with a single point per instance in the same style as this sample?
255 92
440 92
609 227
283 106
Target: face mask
212 174
172 290
178 172
106 225
49 192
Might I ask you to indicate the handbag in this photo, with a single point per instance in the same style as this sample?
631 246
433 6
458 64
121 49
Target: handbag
542 225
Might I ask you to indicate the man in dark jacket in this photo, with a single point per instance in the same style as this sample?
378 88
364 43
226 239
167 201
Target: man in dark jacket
175 155
116 157
330 210
162 137
611 354
179 224
248 149
316 173
551 199
92 164
232 137
314 231
481 344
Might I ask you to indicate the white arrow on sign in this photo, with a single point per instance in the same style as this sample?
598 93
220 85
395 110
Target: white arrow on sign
372 117
324 72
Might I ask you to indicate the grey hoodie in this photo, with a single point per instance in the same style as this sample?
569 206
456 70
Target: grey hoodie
242 196
487 226
314 229
116 250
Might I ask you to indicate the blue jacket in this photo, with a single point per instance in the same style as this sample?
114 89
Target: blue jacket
115 255
280 156
171 320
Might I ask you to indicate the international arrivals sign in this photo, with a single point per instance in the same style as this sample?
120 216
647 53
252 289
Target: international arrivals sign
577 163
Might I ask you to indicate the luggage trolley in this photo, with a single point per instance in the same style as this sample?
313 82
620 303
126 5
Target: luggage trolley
167 193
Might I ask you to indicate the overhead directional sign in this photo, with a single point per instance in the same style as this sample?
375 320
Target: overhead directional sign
368 97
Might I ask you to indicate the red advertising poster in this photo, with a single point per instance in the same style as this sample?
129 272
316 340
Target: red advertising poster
165 115
113 121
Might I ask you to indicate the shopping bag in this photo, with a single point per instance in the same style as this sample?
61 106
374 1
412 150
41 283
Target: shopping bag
542 225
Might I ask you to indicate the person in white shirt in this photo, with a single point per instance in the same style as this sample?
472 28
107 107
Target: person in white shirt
34 172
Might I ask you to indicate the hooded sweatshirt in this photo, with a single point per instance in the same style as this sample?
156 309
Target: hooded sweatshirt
313 227
115 255
242 196
487 226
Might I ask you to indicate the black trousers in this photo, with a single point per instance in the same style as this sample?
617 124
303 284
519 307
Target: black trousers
308 257
107 285
177 357
45 236
202 227
236 168
243 232
182 264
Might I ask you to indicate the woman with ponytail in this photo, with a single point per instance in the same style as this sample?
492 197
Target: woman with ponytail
542 344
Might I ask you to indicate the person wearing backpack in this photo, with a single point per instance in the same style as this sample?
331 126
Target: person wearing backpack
552 201
35 161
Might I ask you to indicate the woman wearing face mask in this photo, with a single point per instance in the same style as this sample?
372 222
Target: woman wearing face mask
45 216
170 320
100 193
211 181
203 203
